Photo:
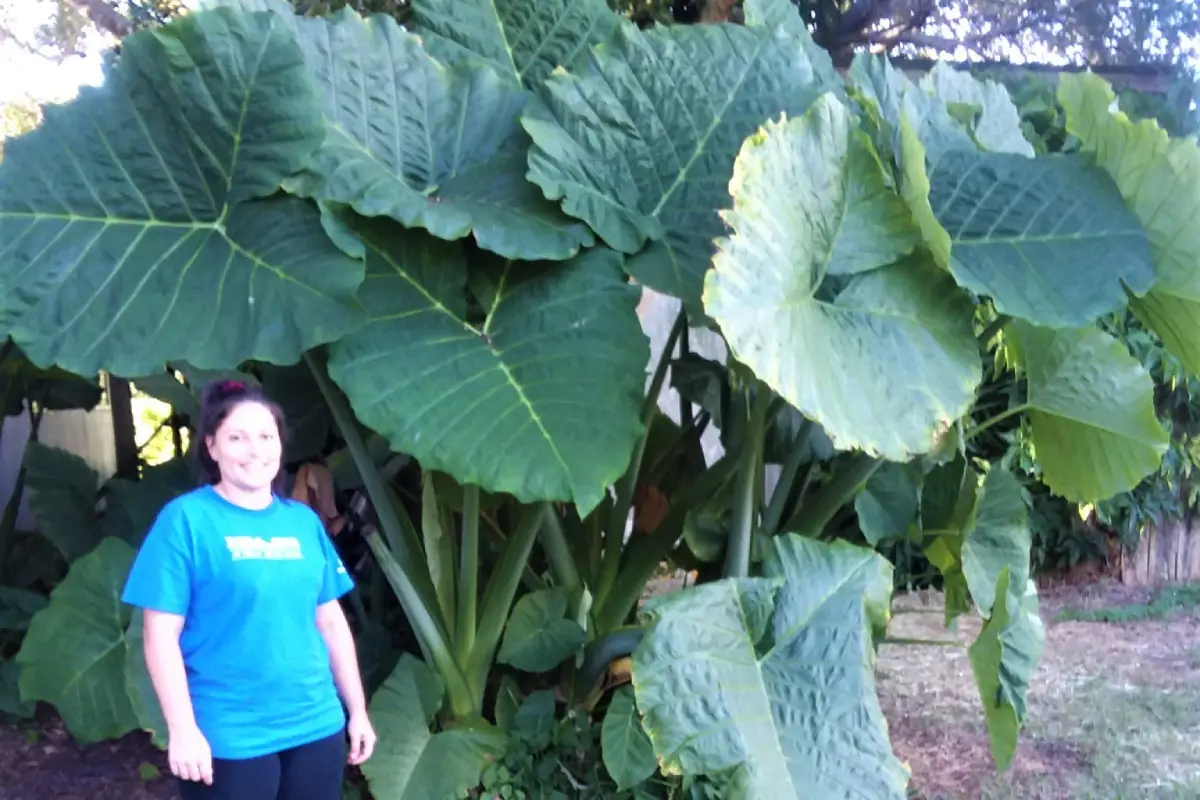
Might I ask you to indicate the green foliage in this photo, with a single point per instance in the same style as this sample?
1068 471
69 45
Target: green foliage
430 241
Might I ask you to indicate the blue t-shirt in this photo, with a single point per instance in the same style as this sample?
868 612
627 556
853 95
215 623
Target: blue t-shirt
248 584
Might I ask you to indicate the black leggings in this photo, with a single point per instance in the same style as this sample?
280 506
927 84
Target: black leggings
312 771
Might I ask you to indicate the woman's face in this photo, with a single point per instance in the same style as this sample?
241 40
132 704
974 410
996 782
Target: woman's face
246 447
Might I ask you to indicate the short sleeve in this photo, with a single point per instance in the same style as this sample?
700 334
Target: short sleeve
161 577
337 581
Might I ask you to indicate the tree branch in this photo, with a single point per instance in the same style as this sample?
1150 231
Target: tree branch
105 17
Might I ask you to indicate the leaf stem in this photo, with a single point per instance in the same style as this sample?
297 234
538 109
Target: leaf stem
562 564
498 598
971 433
812 517
787 479
648 551
614 532
468 573
993 328
745 506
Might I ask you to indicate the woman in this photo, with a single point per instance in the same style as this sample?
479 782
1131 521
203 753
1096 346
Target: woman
245 640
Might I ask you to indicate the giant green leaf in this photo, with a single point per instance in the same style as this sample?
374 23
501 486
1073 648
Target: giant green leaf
996 122
640 138
1091 407
73 656
1003 658
1160 181
524 40
410 763
1048 239
773 680
783 16
62 498
810 201
137 223
431 146
540 398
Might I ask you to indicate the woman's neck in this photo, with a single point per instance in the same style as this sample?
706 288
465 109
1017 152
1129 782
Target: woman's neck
253 499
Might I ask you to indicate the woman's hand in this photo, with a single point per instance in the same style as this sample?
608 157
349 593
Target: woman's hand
189 755
362 738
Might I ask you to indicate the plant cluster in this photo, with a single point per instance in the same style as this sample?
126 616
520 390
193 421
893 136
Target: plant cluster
440 233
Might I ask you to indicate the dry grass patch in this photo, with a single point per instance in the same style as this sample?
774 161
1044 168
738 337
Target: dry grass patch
1114 709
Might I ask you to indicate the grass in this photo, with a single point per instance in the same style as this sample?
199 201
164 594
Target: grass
1114 709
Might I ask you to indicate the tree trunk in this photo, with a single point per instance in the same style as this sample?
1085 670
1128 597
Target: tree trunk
717 11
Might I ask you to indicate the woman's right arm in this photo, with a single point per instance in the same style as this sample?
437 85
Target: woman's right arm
188 751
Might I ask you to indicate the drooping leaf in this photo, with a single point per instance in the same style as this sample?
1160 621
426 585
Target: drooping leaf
508 700
184 396
10 692
1091 409
998 539
626 749
17 607
1160 181
52 388
1048 239
996 121
431 146
73 656
640 138
309 422
524 40
137 223
772 680
984 531
810 201
541 399
1003 658
131 506
139 687
62 498
410 763
539 636
948 496
887 505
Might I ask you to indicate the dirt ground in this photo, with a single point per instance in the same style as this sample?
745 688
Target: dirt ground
1114 714
1114 708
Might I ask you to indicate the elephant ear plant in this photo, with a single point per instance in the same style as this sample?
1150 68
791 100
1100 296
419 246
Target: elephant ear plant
450 225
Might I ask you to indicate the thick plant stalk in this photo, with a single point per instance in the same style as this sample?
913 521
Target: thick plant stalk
787 480
439 551
614 533
562 563
741 532
812 517
425 623
650 550
468 573
498 599
601 652
410 580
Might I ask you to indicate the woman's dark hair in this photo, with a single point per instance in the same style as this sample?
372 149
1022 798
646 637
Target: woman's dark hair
216 403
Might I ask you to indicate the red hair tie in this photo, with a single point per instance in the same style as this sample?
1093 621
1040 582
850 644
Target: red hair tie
233 386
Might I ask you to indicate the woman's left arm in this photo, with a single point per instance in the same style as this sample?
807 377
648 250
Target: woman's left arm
335 630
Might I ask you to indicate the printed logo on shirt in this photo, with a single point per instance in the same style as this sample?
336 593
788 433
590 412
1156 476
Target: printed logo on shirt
277 548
